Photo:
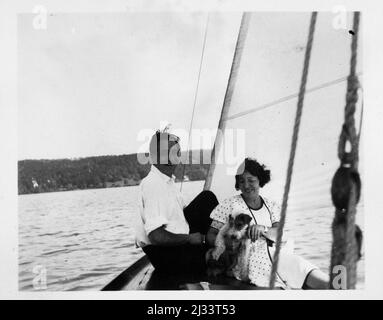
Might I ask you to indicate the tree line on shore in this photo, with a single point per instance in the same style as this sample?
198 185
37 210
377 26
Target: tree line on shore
36 176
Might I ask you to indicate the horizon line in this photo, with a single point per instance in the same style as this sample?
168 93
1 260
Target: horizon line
96 156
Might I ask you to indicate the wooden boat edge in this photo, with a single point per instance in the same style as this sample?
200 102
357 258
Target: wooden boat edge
130 275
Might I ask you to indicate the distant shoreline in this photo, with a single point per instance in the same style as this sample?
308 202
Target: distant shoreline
97 188
41 176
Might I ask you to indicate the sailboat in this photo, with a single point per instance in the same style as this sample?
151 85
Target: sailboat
263 90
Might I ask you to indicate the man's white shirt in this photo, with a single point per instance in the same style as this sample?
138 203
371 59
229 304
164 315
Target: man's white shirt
160 204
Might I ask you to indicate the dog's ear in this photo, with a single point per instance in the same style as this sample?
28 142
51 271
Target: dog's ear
247 218
231 220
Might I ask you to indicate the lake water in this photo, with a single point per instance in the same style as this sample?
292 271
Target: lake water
83 239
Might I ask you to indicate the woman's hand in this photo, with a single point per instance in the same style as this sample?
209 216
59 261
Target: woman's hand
255 231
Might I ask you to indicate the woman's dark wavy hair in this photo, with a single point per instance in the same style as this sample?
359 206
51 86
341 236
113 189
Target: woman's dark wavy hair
256 169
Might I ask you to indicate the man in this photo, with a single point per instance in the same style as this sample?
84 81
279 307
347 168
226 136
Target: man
172 236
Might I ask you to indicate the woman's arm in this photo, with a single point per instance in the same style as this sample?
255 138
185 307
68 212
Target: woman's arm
255 231
272 233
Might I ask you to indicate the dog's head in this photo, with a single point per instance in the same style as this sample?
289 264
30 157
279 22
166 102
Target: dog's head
239 221
238 225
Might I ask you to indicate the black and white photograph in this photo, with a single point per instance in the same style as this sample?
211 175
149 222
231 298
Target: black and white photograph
165 148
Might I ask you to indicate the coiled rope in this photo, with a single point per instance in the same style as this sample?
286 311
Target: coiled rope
346 184
294 142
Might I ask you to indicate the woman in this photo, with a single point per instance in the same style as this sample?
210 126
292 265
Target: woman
293 271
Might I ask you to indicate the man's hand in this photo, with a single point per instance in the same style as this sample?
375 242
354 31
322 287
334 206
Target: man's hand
196 238
255 231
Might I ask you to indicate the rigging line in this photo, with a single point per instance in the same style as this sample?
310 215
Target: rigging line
361 117
344 245
294 142
195 98
286 98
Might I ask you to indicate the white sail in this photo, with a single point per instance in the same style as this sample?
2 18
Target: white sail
264 103
263 108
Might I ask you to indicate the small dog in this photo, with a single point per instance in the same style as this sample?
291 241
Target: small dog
231 248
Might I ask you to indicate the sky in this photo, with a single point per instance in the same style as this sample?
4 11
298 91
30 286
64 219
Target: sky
94 84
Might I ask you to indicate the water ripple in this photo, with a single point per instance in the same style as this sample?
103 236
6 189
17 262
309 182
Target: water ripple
54 252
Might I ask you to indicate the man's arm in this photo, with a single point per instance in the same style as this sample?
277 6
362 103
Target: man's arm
211 235
162 237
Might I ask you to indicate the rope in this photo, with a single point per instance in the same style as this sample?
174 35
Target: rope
361 118
286 98
346 183
195 98
349 132
294 142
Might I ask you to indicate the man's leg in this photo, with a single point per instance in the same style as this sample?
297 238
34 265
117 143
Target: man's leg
186 258
178 259
317 279
197 213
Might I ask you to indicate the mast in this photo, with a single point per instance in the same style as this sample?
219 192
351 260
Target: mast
228 95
